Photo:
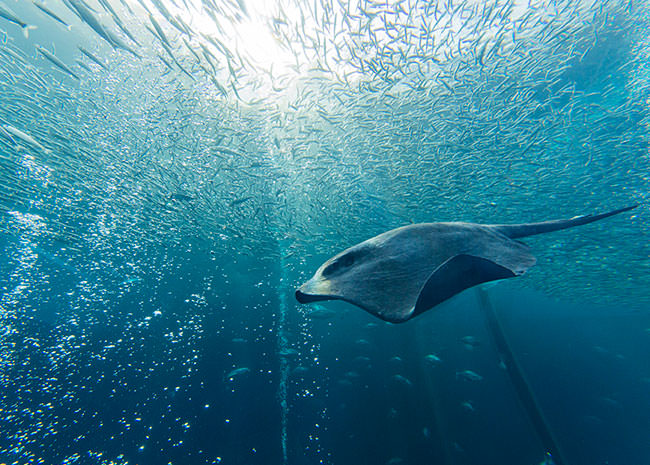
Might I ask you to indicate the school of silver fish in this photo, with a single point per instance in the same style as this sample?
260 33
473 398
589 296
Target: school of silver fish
139 137
152 119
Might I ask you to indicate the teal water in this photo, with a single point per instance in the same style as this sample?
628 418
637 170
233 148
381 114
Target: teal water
171 170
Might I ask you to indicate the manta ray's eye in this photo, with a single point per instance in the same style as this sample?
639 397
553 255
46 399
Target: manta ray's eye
342 262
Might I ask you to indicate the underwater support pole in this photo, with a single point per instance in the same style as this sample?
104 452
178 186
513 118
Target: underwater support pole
522 388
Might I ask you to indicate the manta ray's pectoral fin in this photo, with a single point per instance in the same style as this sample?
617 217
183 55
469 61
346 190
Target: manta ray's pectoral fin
455 275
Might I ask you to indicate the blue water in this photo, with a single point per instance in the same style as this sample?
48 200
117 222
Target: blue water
157 216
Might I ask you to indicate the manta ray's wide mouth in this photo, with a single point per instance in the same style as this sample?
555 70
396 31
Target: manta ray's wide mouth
305 298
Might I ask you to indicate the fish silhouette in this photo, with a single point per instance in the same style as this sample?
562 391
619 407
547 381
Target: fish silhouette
403 272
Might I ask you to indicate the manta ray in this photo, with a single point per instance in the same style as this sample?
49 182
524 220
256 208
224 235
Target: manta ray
406 271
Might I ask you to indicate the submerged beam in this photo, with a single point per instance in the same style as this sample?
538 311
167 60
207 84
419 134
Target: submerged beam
521 386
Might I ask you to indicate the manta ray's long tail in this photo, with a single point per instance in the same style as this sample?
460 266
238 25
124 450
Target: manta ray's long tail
514 231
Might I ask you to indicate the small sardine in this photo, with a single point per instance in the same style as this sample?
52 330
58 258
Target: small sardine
56 62
10 16
23 136
50 13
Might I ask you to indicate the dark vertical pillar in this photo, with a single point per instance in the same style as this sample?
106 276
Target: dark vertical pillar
522 388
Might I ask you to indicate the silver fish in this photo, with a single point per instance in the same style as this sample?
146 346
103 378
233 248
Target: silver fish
10 16
56 62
